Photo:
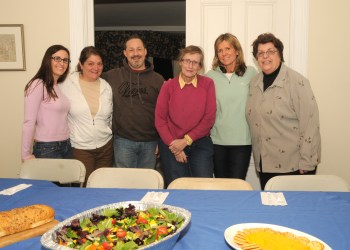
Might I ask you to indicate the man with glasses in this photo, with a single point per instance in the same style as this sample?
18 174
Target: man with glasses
135 89
282 114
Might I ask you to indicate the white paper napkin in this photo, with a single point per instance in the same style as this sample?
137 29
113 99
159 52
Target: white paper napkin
15 189
273 199
155 197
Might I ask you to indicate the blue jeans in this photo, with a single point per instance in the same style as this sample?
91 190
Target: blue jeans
231 161
55 149
199 161
132 154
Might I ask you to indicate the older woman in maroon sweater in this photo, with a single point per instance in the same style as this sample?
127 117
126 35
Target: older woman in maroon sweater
185 113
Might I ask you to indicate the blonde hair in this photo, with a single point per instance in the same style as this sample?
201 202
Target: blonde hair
231 39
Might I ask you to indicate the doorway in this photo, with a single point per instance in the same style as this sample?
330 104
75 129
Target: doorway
161 24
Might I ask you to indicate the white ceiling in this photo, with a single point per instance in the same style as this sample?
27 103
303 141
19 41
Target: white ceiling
167 14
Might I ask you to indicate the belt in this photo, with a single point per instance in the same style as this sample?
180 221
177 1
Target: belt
53 142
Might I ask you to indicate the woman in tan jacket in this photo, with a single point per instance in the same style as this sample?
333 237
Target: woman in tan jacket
282 114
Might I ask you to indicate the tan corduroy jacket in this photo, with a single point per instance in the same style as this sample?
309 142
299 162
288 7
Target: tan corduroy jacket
284 123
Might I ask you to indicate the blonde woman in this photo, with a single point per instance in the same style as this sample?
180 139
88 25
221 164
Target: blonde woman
230 133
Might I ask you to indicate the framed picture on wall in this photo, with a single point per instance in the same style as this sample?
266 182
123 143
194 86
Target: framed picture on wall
12 56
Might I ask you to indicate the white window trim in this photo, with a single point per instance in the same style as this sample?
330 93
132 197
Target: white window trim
82 30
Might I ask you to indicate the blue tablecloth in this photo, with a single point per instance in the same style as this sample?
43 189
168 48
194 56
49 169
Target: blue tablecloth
325 215
10 182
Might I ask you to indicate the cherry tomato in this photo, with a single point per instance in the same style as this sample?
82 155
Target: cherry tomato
162 230
114 221
121 233
106 246
141 220
92 247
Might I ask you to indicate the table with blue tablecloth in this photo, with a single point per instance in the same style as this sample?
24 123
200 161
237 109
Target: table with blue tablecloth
325 215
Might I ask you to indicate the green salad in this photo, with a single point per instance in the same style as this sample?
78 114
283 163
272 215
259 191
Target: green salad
120 228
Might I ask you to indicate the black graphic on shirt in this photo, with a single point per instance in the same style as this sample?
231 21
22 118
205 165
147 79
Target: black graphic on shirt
126 89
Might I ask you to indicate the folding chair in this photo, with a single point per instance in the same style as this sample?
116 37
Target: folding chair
125 178
209 184
63 171
307 183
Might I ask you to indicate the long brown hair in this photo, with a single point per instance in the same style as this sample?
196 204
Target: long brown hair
45 72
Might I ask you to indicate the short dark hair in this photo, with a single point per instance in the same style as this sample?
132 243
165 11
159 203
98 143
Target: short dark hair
268 38
86 53
134 36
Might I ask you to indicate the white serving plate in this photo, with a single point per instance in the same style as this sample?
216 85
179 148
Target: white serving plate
231 231
48 239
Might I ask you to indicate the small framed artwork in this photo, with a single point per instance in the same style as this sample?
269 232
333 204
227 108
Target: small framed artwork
12 56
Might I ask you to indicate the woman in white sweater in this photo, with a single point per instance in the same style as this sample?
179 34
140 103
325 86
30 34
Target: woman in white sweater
90 114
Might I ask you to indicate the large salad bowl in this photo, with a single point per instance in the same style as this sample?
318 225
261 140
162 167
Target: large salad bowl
49 239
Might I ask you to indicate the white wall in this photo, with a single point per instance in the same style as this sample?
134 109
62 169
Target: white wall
287 19
46 22
328 72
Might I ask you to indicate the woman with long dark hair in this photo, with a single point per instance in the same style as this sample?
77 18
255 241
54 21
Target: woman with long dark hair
45 132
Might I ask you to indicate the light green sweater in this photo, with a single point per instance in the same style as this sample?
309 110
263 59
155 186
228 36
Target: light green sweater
230 126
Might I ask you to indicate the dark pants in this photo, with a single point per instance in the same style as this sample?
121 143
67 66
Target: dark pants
95 158
231 161
265 177
199 161
54 150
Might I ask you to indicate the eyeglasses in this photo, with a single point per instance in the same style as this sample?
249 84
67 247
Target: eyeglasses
59 59
270 52
188 62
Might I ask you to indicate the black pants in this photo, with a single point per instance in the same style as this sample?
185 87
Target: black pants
231 161
265 177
